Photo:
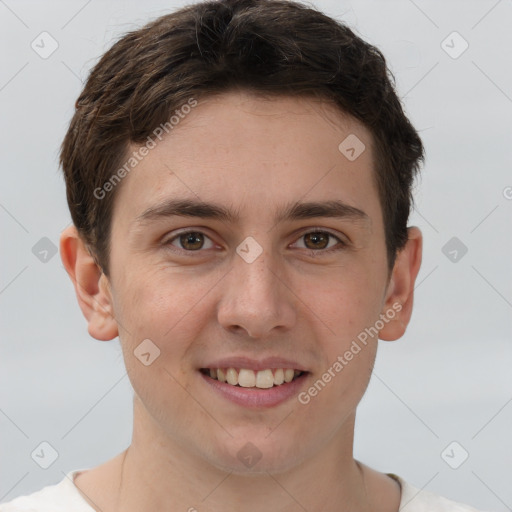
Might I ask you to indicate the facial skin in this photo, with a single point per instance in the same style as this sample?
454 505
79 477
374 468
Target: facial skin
255 157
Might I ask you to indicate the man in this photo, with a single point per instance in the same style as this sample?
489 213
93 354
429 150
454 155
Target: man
239 177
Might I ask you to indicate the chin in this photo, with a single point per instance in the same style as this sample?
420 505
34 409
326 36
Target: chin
257 455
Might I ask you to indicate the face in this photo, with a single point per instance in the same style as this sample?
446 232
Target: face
283 267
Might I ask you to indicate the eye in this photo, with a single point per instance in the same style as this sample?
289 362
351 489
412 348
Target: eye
318 239
190 241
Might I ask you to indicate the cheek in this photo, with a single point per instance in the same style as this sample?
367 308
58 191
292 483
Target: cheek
166 305
349 304
166 309
349 358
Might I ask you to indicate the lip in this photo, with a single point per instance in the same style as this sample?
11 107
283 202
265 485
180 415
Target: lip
272 363
255 397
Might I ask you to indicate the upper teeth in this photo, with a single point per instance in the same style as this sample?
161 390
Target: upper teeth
250 379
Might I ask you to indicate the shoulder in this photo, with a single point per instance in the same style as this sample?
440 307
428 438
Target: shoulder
61 497
418 500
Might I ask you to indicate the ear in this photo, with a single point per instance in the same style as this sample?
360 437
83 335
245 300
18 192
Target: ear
400 290
91 285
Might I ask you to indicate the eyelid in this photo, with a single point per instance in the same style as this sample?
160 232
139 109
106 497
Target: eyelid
343 241
299 234
166 240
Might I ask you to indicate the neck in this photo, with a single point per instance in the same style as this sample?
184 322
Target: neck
151 478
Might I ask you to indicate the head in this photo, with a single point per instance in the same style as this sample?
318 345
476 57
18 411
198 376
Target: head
245 105
210 48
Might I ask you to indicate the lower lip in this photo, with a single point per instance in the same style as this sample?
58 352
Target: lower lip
256 397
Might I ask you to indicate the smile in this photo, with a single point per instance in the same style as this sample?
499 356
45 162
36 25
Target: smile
246 378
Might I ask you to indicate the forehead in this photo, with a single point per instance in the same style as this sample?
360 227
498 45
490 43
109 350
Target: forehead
252 154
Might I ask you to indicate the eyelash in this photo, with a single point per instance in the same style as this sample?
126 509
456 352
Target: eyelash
338 247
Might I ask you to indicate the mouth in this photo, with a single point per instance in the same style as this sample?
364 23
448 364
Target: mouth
247 378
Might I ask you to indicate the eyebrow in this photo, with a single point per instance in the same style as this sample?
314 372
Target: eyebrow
293 211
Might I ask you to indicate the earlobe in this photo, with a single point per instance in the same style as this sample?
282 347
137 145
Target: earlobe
400 291
92 287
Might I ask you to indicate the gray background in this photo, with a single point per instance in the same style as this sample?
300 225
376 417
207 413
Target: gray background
448 379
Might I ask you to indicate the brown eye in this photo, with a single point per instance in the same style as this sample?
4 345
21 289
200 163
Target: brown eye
321 241
317 239
190 241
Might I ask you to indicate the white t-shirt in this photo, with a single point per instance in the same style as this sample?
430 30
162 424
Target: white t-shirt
65 497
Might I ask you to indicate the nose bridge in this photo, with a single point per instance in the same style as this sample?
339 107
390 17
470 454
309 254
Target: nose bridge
256 299
254 278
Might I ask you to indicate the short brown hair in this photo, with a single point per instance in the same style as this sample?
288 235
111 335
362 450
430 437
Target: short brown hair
270 47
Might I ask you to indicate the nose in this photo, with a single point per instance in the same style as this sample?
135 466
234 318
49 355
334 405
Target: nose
257 298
